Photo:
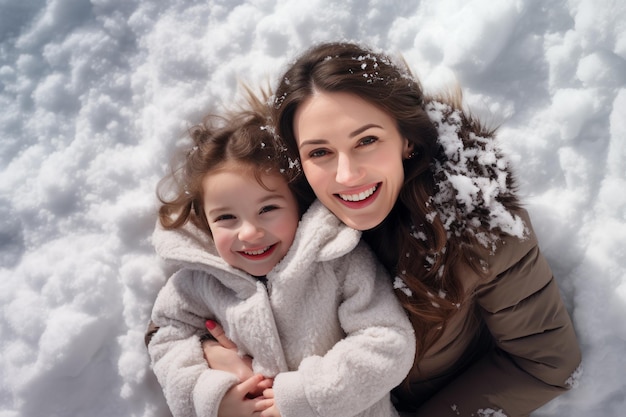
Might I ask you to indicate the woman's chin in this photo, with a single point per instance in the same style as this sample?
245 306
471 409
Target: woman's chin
361 222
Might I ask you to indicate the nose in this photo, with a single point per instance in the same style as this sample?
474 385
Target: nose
249 232
348 171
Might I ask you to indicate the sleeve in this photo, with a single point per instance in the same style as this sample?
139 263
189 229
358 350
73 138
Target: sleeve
536 357
190 387
362 368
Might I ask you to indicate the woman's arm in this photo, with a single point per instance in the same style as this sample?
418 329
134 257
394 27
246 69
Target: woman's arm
537 356
221 353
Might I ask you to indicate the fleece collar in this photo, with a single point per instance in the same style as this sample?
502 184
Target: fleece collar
320 237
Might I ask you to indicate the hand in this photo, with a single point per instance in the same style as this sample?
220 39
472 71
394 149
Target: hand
223 355
237 403
271 410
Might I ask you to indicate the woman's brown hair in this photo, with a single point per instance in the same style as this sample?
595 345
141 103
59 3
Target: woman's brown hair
417 242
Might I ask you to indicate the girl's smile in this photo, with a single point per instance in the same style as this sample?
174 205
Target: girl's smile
258 254
253 224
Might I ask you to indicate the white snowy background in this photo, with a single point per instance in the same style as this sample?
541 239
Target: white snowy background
95 96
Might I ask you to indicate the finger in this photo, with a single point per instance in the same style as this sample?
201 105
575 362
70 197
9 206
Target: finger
268 393
249 384
261 386
218 333
265 384
263 404
270 412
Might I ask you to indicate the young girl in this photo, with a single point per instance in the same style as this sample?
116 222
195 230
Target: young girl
307 301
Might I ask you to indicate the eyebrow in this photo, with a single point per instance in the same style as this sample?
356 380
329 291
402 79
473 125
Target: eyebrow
363 129
275 196
351 135
225 209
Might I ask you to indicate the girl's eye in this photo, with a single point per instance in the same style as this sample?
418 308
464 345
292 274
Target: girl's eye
368 140
224 217
266 209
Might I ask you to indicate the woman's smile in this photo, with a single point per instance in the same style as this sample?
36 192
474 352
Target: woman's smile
352 155
357 199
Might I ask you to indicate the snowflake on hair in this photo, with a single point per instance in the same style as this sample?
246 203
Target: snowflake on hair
472 180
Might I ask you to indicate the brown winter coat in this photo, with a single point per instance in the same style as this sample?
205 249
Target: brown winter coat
510 349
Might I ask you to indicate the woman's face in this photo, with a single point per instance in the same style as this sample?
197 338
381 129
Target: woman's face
351 153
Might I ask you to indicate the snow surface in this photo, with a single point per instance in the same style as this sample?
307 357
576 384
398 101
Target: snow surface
96 95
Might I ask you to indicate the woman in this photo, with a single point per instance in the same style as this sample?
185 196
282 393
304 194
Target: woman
436 201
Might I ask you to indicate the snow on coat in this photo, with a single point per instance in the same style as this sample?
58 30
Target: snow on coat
327 326
511 347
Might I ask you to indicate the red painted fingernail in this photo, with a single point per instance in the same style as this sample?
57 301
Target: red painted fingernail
210 324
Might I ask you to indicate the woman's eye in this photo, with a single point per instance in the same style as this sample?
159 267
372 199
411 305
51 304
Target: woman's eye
368 140
318 153
267 209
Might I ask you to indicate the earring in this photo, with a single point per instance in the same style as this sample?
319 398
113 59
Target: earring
411 155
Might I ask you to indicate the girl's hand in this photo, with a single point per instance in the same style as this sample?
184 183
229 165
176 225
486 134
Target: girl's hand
237 403
223 355
271 410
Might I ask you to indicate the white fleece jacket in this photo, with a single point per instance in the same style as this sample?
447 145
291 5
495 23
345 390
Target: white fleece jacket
328 326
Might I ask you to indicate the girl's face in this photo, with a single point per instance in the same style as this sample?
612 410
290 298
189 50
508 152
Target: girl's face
351 153
252 227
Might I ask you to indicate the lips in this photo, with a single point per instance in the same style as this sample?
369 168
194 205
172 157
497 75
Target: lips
258 254
360 196
359 199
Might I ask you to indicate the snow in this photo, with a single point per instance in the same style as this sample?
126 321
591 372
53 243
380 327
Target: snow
474 175
96 95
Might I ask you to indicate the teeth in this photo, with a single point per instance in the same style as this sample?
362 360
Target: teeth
257 252
360 196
